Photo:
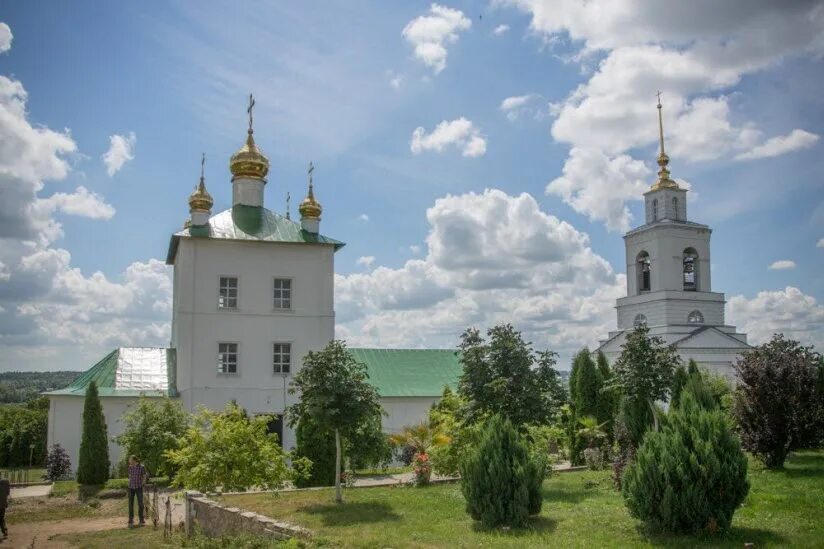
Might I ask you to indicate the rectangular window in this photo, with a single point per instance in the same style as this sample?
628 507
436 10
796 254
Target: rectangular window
227 293
282 357
283 293
227 358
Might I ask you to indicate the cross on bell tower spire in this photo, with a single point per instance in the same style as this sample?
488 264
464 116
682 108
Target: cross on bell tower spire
664 181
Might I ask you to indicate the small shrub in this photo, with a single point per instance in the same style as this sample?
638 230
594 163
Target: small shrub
422 468
501 483
594 459
689 476
58 464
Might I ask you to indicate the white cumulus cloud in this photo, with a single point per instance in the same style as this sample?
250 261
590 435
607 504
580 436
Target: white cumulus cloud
789 311
513 106
459 133
500 29
430 34
489 258
81 202
599 186
366 260
5 37
782 265
121 150
820 243
781 144
363 217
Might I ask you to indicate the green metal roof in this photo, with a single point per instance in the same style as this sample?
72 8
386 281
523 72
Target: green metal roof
129 372
251 223
410 372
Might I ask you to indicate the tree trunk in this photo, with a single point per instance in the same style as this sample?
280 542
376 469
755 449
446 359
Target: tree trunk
654 415
338 494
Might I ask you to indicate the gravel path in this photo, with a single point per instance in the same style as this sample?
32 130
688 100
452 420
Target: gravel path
38 534
31 491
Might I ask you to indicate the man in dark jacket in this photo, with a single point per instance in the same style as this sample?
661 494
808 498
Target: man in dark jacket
137 477
5 490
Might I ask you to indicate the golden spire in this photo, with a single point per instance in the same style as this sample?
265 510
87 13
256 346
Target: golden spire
249 162
664 181
310 208
200 200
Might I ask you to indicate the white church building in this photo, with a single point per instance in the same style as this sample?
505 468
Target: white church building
253 292
669 284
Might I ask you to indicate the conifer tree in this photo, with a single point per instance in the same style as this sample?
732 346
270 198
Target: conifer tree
586 385
607 395
93 462
679 380
499 479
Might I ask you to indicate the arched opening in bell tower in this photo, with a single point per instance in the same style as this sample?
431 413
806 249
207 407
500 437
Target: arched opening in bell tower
644 272
690 260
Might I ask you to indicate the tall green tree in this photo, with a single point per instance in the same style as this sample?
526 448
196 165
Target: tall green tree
607 395
93 462
645 369
23 433
230 450
777 404
152 427
680 378
335 392
586 392
505 376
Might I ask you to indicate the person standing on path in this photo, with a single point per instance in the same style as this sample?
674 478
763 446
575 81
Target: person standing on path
137 476
5 490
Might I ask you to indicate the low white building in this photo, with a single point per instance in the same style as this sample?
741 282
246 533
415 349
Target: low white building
253 293
669 281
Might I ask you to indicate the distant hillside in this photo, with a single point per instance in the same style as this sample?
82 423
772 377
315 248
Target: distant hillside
23 386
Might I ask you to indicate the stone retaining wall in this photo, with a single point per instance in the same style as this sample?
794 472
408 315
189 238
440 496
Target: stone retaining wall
215 520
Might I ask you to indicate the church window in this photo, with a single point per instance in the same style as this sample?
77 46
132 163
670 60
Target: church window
655 210
283 293
227 358
689 266
644 272
639 319
695 317
282 361
675 208
227 293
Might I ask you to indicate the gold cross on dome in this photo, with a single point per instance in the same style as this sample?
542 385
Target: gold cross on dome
659 98
310 170
249 110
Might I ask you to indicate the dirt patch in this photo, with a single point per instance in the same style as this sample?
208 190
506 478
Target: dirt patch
41 534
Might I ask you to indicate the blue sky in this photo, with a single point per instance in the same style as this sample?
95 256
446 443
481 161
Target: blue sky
346 84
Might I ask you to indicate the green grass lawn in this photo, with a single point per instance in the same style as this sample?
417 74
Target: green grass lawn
784 508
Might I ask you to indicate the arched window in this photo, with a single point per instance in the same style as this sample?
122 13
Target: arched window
644 274
690 263
695 317
639 319
655 210
675 208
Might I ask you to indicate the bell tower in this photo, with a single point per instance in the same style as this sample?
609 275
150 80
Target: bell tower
668 259
668 279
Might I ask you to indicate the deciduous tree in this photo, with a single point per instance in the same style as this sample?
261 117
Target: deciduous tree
152 427
777 403
335 393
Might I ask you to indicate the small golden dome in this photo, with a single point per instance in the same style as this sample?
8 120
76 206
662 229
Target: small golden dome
200 200
310 208
249 161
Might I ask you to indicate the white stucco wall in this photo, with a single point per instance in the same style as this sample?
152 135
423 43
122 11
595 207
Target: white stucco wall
668 307
66 423
403 411
198 324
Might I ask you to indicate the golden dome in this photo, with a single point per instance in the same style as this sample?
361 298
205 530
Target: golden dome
310 208
249 161
200 200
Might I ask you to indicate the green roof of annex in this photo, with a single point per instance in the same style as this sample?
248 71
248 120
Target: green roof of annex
148 371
